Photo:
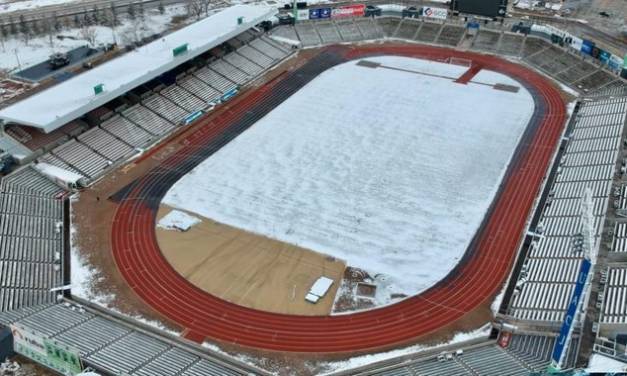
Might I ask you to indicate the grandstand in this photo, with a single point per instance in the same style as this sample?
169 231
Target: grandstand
112 345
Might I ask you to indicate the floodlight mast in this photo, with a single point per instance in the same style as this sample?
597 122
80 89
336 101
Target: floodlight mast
584 242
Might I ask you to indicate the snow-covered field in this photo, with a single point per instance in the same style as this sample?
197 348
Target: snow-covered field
389 170
17 53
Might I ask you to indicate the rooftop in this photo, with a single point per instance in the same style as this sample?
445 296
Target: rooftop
60 104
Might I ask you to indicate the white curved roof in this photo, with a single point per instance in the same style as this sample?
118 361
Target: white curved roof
62 103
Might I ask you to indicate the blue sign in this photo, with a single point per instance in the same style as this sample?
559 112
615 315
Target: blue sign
228 95
191 117
604 56
325 12
586 46
558 350
473 25
314 14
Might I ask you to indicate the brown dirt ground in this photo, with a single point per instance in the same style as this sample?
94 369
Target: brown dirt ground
248 269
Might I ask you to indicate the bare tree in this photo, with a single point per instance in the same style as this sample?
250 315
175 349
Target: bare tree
195 8
4 34
24 29
89 33
49 30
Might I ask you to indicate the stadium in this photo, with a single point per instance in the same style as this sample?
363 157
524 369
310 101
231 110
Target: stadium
342 190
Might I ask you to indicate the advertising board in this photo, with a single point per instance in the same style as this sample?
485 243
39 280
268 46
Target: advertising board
319 13
357 10
435 13
569 319
302 14
36 346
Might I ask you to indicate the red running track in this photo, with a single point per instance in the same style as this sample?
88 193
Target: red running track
478 278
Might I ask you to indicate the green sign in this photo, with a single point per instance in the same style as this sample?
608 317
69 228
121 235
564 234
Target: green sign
179 50
98 89
240 20
46 352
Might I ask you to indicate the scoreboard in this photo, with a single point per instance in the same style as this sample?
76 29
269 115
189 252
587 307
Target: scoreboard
488 8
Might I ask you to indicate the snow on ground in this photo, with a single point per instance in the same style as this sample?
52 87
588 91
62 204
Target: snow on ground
16 53
602 364
83 276
363 360
380 173
12 6
177 220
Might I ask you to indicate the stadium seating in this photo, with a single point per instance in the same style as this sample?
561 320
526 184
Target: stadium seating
31 240
307 34
200 89
615 297
241 63
105 144
428 32
214 79
229 71
328 32
451 35
126 130
287 32
114 346
588 161
511 44
388 25
407 29
183 98
157 104
348 30
256 56
487 40
88 162
369 28
270 48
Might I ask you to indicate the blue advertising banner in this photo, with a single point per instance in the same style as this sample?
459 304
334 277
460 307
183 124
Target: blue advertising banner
228 95
560 344
191 117
604 56
586 47
314 14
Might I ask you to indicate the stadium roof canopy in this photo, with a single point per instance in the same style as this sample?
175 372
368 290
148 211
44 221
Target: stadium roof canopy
62 103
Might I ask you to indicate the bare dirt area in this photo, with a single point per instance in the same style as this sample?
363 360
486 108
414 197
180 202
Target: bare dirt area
249 269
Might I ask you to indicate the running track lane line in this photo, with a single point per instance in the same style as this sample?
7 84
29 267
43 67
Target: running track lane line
477 279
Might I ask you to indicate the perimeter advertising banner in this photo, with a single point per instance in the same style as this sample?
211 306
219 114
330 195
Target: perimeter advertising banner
435 13
302 14
36 346
319 13
569 319
357 10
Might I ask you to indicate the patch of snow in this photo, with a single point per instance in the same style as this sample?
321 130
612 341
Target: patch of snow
380 173
177 220
55 172
6 6
83 275
17 54
603 364
363 360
